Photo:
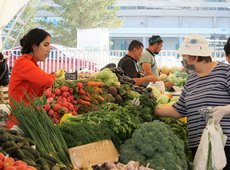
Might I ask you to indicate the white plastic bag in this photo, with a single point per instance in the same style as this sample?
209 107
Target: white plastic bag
210 152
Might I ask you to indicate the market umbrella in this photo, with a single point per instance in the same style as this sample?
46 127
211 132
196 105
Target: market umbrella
8 9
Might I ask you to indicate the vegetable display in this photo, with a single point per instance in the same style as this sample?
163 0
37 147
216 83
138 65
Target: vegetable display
111 122
155 144
36 124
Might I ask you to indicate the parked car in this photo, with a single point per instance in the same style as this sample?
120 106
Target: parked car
60 57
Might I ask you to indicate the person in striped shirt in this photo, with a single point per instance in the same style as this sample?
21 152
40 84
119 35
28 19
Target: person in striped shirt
207 85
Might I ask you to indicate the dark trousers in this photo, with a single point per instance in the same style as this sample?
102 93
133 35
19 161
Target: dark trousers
227 153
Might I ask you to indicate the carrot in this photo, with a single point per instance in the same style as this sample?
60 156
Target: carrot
95 83
84 102
84 97
98 89
100 98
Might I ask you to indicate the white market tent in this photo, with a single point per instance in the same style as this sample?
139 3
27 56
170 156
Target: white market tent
8 9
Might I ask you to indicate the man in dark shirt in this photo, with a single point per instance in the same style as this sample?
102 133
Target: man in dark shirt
129 63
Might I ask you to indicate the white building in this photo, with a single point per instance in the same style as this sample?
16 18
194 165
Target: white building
172 19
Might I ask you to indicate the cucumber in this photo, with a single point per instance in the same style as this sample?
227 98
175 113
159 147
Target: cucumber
13 132
29 162
31 142
65 168
33 151
43 163
28 154
55 167
20 154
7 144
51 158
11 150
17 138
4 137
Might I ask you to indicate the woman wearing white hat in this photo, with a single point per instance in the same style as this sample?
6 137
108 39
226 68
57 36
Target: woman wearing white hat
4 71
207 85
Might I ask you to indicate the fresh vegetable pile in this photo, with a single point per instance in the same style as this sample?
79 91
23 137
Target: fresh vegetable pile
36 125
8 163
111 122
155 144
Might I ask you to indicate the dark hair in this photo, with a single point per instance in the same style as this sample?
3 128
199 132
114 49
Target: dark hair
1 56
135 44
227 48
155 39
33 37
207 59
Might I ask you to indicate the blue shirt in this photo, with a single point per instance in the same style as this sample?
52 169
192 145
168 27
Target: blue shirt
201 92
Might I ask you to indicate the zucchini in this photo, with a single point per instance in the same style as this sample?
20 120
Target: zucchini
33 151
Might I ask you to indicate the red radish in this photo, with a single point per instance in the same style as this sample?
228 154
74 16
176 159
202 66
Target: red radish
65 109
50 99
64 88
74 102
70 90
64 94
76 108
65 104
48 93
51 112
2 156
57 92
56 107
47 106
79 85
53 95
81 91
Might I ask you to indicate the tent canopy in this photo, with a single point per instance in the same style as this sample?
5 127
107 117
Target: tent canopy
8 9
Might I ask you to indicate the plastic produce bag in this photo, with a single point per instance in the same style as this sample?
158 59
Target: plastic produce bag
210 153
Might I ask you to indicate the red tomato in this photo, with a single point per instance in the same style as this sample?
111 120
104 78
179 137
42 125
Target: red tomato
31 168
2 156
1 164
19 162
10 168
22 166
8 162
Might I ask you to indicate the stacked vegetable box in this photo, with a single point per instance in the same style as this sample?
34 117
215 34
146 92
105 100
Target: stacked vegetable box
73 113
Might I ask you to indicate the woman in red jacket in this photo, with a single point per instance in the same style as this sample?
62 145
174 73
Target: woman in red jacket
27 79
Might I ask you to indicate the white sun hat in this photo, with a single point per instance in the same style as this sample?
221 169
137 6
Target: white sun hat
195 45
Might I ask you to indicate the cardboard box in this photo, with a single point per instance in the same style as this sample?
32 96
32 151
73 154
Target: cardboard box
93 154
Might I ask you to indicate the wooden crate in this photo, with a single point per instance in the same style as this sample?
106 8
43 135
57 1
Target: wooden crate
4 98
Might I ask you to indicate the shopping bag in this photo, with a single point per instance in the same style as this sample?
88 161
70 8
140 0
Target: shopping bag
210 152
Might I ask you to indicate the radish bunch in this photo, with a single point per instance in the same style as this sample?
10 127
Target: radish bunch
60 101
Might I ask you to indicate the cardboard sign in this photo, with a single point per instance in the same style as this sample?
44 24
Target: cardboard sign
93 154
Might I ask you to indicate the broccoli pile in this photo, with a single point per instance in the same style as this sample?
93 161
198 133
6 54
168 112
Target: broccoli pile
155 144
